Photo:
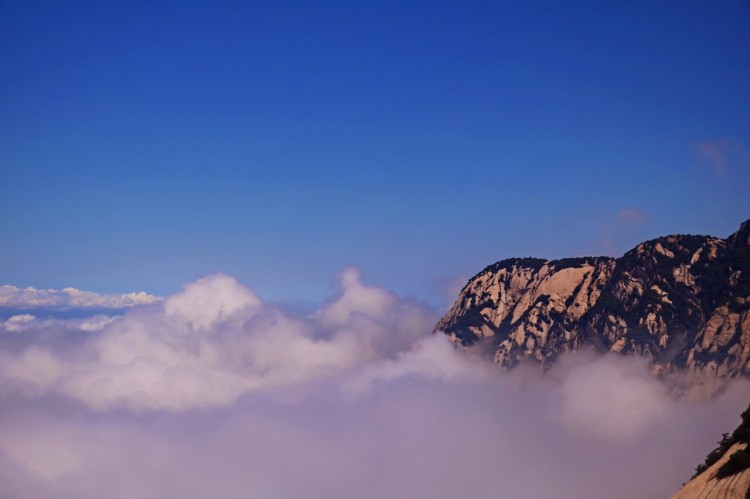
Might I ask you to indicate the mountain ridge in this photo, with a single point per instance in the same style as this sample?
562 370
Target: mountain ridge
680 300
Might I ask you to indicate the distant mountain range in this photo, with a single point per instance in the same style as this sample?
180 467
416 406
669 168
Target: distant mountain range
682 301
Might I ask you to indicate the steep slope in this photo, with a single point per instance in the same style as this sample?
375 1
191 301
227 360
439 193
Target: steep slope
682 301
726 471
708 485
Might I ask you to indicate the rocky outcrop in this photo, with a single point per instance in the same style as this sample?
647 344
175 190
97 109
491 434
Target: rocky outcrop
725 474
682 301
708 486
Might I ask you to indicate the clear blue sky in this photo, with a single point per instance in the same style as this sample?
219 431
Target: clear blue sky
143 144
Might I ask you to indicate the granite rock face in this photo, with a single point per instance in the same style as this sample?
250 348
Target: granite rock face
682 301
725 473
708 485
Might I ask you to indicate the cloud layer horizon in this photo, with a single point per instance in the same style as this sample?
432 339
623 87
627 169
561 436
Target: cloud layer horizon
213 393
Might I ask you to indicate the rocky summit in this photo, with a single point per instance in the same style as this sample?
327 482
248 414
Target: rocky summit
682 301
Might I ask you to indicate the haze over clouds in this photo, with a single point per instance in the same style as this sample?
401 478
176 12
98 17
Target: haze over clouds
214 393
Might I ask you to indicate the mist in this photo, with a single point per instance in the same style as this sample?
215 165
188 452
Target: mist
214 393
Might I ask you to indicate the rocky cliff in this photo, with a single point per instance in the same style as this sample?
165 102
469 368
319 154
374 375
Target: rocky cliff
682 301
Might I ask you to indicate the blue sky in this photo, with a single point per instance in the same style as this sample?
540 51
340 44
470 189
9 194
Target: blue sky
144 144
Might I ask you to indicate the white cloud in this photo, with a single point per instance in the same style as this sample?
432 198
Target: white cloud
213 393
613 397
69 298
209 300
430 358
355 299
216 341
17 323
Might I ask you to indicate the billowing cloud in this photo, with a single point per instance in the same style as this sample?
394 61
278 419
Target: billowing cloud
214 342
612 398
213 393
31 298
17 323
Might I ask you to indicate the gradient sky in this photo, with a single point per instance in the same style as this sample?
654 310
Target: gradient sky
143 144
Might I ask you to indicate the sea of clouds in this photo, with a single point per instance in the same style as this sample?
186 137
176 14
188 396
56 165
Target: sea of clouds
213 393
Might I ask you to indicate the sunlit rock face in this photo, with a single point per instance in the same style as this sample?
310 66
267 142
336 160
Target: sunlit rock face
725 473
682 301
708 485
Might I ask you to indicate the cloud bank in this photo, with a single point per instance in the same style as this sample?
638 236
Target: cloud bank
213 393
31 298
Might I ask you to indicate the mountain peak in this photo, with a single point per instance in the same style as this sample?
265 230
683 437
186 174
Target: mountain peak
742 236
